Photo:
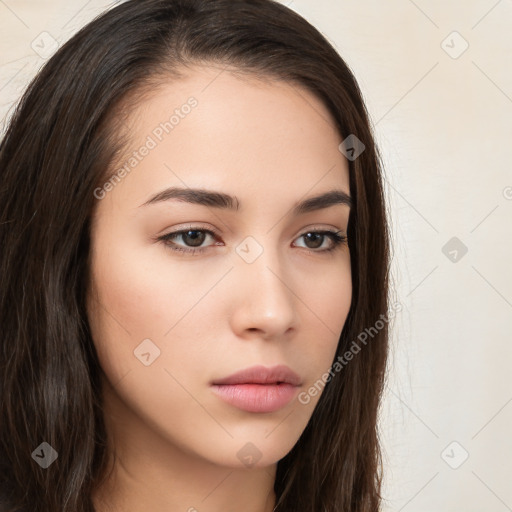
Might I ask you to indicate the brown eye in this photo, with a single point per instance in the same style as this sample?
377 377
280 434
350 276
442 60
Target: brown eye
192 240
195 237
315 239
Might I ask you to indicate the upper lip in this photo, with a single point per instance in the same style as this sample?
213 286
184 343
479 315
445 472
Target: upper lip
262 375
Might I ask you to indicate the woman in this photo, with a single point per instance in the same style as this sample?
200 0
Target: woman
194 246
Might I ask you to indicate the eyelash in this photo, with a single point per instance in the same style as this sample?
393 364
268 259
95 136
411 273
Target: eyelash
335 236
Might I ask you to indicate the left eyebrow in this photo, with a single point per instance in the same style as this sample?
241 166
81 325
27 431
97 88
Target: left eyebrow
325 200
221 200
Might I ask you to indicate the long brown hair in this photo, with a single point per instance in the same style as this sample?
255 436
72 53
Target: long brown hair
60 141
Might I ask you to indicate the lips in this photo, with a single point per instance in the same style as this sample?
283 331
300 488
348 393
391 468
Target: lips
262 375
258 389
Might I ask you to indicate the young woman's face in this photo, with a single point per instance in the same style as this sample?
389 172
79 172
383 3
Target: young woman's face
262 290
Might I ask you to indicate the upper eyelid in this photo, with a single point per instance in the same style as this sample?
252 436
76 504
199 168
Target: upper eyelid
197 227
216 233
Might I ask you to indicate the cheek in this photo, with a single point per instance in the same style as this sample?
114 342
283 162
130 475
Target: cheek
326 301
327 295
142 288
140 293
134 309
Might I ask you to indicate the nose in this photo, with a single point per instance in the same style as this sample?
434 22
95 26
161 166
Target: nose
264 302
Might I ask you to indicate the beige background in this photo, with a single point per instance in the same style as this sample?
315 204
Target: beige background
443 120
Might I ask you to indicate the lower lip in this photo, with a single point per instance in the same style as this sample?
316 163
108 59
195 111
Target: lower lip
256 397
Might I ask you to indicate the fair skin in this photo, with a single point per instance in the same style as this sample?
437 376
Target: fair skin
210 314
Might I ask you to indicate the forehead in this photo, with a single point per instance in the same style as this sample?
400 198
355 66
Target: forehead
241 130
